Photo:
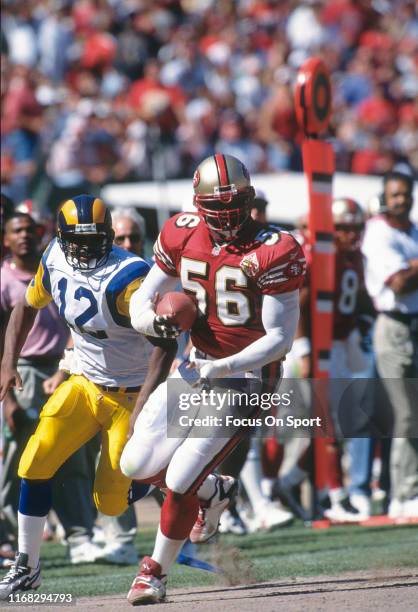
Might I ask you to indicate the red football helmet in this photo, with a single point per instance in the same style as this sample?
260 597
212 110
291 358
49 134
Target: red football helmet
223 194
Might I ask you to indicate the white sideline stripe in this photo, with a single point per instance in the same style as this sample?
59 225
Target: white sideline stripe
324 305
319 187
324 365
324 247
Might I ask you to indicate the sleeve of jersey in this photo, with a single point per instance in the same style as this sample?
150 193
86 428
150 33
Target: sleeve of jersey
282 267
121 288
166 249
38 293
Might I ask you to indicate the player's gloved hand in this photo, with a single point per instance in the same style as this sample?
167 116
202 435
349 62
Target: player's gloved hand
147 322
164 328
210 369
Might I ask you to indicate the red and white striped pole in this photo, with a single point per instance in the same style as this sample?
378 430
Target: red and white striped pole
313 110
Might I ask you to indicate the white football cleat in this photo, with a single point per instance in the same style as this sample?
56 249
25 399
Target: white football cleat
271 516
119 554
344 512
98 536
395 509
149 585
410 508
362 504
87 552
231 522
210 511
20 577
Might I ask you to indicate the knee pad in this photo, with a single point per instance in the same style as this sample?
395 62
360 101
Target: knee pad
111 504
132 465
176 482
35 462
138 464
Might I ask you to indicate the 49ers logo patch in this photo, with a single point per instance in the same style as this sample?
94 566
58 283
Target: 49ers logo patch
249 265
295 268
196 178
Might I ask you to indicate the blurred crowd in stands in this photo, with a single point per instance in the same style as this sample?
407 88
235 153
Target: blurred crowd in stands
97 91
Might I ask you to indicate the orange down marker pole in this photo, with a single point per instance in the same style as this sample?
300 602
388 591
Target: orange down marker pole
313 111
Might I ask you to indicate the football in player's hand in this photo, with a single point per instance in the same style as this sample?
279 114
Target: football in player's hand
180 307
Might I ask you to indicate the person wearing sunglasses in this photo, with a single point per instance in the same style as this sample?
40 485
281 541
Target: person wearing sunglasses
129 228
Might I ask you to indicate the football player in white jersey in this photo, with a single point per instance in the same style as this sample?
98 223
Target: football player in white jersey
91 281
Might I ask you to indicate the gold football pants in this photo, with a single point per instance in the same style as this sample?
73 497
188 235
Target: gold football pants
74 413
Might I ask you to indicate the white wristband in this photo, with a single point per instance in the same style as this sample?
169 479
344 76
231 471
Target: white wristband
301 347
143 322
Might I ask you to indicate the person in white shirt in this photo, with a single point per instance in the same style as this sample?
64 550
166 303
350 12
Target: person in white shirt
390 248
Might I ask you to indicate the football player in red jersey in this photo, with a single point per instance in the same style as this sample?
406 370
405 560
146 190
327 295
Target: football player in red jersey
350 296
245 277
352 307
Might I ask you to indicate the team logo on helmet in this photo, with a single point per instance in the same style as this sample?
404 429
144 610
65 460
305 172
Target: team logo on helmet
196 178
249 265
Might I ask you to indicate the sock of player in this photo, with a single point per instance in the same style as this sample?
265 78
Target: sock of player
166 551
34 504
251 476
178 515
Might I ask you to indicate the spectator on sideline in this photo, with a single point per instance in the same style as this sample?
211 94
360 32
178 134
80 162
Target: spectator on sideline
6 210
130 230
37 364
390 248
104 91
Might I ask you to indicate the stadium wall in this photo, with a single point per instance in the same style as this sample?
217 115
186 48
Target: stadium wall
287 193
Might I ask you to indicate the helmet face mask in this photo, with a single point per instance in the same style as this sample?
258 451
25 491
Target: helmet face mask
85 252
223 195
225 218
85 232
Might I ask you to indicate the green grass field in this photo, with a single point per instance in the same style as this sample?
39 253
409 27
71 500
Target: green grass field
293 551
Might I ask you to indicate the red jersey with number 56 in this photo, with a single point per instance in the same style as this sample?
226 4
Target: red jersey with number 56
229 281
